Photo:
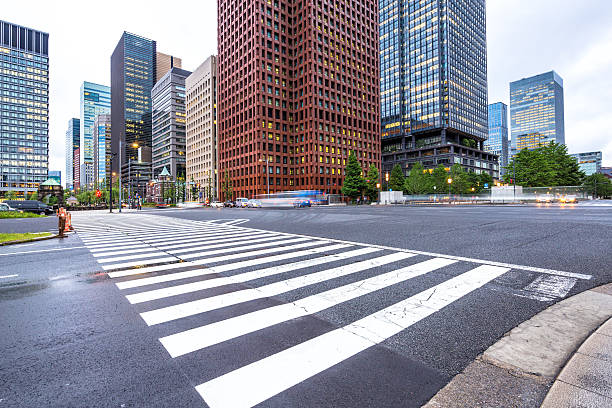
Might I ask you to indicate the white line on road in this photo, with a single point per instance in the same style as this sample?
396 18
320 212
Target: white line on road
216 269
8 276
41 250
205 336
174 312
268 377
242 277
138 263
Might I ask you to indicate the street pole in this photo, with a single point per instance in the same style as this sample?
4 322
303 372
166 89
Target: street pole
129 182
268 175
120 170
514 177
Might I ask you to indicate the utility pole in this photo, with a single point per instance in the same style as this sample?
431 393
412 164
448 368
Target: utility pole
120 171
514 177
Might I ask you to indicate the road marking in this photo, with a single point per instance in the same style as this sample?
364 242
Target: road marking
41 250
131 264
205 336
139 250
242 248
227 243
456 258
137 256
547 288
198 241
214 260
211 270
8 276
174 312
243 277
119 248
267 377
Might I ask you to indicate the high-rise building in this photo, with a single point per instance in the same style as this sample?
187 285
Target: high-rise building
73 141
133 73
95 100
497 143
24 112
165 63
589 162
536 111
298 90
433 59
168 98
102 149
76 169
202 128
86 178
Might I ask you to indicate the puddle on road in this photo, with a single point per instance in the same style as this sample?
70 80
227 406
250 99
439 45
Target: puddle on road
19 290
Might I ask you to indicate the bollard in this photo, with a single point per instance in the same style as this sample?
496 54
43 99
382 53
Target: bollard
61 215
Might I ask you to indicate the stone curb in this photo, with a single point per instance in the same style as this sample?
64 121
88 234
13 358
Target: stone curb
23 241
519 369
585 380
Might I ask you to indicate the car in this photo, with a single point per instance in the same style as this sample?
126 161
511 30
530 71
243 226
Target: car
32 206
544 198
568 199
302 203
229 203
217 204
254 204
242 202
6 207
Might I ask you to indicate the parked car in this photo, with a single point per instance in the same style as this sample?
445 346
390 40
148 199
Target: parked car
6 207
242 202
217 204
30 206
302 203
254 204
229 203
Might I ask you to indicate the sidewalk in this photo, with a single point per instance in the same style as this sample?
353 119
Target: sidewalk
586 380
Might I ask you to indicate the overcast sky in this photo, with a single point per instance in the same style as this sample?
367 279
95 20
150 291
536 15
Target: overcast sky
524 38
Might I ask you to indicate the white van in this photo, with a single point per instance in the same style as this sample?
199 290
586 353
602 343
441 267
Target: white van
242 202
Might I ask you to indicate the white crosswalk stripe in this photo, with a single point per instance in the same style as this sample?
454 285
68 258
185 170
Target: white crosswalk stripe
180 271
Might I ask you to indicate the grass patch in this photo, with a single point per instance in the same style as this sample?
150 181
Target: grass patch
17 214
21 237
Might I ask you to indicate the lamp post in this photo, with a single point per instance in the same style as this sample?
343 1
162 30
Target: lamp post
449 181
267 173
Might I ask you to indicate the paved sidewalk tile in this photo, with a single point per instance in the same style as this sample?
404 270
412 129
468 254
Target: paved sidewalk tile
564 395
589 373
598 346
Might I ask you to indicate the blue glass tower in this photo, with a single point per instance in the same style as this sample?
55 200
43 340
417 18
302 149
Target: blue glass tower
24 112
433 61
536 111
95 100
73 142
497 143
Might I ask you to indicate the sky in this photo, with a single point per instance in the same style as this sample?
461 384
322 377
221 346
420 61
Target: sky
524 38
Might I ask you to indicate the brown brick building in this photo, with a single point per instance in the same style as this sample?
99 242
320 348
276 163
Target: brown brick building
298 84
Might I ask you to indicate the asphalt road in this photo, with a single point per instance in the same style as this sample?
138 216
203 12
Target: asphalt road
72 337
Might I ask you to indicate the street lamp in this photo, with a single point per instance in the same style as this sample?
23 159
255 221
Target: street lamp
449 181
267 173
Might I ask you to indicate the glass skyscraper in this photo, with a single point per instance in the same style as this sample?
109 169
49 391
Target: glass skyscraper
133 73
589 162
536 111
169 118
24 108
102 149
497 143
95 100
433 58
73 141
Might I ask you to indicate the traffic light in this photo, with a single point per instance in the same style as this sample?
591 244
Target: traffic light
386 176
98 193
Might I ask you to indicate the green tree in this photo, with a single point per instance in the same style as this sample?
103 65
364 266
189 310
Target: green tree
354 182
419 181
33 196
438 178
546 166
485 179
598 184
372 179
53 200
397 178
227 187
10 195
460 184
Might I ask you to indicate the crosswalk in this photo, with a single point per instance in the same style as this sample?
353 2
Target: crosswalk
176 270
